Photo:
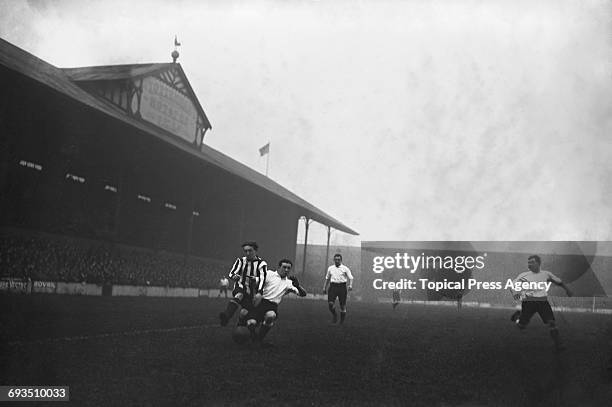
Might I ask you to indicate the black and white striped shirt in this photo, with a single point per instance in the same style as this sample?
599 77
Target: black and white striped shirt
252 274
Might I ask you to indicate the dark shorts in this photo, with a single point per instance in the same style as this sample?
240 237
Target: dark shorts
247 299
258 313
528 308
337 290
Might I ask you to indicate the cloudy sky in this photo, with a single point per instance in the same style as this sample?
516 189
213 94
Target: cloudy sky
406 120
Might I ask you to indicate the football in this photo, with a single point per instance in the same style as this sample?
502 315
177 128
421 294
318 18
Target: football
241 334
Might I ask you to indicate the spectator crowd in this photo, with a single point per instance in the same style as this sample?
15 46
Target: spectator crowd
58 258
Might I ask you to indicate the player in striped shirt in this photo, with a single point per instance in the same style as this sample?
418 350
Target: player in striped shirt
277 284
249 276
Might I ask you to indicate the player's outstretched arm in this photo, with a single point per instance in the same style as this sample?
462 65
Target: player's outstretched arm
296 283
233 274
556 280
292 290
566 288
515 294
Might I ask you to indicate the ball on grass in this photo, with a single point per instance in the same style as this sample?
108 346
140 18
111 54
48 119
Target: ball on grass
241 334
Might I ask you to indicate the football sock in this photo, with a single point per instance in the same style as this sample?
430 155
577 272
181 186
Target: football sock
515 316
342 316
333 312
263 331
232 306
252 331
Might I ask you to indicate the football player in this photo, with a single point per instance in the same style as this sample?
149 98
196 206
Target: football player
277 284
396 298
336 280
536 301
248 274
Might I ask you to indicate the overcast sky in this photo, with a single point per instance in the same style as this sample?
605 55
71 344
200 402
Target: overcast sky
405 120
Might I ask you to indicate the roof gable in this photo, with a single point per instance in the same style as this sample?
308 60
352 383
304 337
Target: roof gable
158 93
113 72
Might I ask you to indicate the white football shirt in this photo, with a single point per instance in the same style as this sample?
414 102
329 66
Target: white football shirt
275 287
542 277
339 274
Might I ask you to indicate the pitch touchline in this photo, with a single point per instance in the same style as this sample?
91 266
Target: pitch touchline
111 335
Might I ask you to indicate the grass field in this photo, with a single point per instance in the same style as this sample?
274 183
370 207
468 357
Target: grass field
146 351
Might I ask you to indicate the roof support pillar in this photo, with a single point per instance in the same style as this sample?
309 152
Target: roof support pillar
306 225
327 249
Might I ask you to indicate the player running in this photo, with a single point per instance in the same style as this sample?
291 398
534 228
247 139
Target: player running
396 298
533 301
249 275
336 278
223 285
277 284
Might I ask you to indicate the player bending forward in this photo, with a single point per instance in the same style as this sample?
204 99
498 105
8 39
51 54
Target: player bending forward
533 301
248 274
277 284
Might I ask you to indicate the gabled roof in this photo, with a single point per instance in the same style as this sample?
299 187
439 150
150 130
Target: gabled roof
20 61
120 72
114 72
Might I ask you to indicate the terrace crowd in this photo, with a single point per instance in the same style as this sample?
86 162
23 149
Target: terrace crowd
57 258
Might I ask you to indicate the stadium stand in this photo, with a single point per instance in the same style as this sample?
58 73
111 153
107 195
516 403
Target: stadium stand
109 193
50 257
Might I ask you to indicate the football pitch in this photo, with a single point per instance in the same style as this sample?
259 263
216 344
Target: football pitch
148 352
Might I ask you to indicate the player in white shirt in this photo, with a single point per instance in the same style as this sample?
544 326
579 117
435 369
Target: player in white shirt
277 284
536 300
223 284
336 279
